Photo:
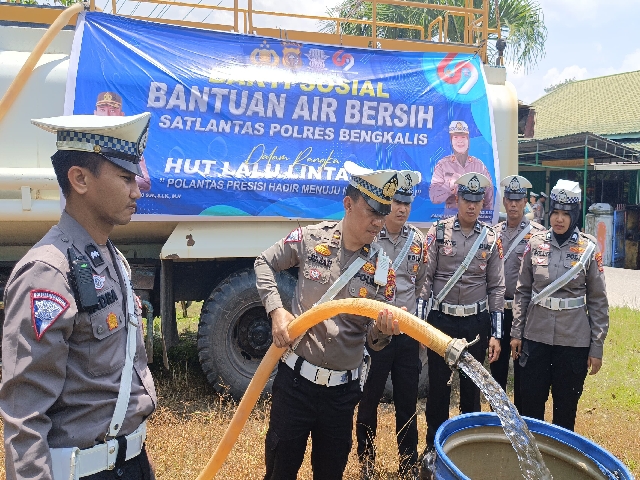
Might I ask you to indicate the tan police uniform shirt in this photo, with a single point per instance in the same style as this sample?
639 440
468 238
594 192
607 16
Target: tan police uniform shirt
317 250
538 212
444 188
485 275
412 271
544 261
513 261
61 368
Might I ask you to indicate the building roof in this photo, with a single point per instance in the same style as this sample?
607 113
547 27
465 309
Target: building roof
605 106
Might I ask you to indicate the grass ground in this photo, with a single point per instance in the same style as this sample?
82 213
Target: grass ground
192 418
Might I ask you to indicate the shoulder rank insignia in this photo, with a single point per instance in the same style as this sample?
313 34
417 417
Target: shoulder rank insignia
46 308
390 289
94 254
112 321
598 258
499 244
295 236
323 250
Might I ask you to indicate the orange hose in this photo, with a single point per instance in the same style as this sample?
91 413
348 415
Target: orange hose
409 324
25 72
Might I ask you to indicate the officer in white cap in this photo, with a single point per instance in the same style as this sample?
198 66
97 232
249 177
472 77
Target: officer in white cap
404 244
515 233
317 385
467 298
443 188
538 210
76 390
560 311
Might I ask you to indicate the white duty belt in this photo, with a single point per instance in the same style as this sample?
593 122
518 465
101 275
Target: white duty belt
319 375
553 303
508 304
539 298
463 310
461 269
73 463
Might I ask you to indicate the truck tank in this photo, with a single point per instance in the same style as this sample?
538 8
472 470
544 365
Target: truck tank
167 255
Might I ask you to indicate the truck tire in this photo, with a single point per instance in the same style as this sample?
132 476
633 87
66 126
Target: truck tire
423 382
234 332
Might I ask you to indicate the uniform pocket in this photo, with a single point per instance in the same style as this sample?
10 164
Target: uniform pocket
107 347
447 250
362 285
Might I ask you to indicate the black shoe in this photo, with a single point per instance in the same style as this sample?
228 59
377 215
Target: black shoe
428 464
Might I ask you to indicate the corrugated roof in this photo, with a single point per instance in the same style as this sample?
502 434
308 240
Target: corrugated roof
605 106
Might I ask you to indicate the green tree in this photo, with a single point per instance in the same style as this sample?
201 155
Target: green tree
521 25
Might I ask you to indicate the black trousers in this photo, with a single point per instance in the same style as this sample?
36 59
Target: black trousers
401 358
437 411
556 367
500 368
138 468
299 408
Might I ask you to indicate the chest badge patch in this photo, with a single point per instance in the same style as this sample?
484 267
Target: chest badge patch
369 268
314 274
447 250
98 281
323 250
46 308
112 321
415 249
362 292
414 269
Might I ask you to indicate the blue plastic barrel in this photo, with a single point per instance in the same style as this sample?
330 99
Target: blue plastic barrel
474 446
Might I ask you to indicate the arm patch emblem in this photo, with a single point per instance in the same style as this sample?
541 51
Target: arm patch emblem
295 236
46 308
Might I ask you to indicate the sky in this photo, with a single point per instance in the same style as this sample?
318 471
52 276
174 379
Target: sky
586 38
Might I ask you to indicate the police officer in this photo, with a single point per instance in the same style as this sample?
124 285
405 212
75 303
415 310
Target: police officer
466 302
317 385
404 245
76 388
560 311
515 233
539 208
444 188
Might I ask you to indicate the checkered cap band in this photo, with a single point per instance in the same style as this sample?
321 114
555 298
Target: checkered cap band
87 141
371 190
564 198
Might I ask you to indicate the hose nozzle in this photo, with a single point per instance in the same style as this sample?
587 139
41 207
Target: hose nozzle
455 349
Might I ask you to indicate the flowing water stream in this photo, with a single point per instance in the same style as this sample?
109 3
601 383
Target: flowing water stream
531 463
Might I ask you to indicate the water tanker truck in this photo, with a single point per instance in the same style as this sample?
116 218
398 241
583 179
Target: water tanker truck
250 128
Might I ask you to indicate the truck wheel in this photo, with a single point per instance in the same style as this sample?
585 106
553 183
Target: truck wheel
423 382
235 332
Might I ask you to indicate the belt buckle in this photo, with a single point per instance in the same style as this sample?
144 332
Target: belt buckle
555 303
322 376
460 311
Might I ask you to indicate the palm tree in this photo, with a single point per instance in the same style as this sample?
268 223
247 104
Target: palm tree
521 25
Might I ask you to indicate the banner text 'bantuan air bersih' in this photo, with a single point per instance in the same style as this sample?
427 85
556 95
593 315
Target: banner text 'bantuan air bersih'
251 126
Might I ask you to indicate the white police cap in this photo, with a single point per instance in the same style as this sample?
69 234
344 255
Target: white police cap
376 186
566 195
121 140
515 187
406 192
458 127
471 186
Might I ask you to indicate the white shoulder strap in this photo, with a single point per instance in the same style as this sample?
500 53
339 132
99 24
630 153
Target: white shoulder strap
568 275
404 250
517 240
462 268
127 371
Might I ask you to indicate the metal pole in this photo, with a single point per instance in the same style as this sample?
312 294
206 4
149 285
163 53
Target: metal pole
584 184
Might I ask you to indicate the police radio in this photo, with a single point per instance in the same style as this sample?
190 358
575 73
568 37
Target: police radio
82 281
440 232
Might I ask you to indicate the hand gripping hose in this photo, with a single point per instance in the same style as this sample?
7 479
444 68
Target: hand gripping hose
412 326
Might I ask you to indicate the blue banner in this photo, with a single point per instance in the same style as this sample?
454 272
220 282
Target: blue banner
252 126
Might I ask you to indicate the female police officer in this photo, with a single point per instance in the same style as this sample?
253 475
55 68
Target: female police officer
560 311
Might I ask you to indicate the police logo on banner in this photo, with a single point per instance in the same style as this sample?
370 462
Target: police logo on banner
46 308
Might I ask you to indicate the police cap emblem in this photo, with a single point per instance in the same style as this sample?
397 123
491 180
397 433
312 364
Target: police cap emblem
474 184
